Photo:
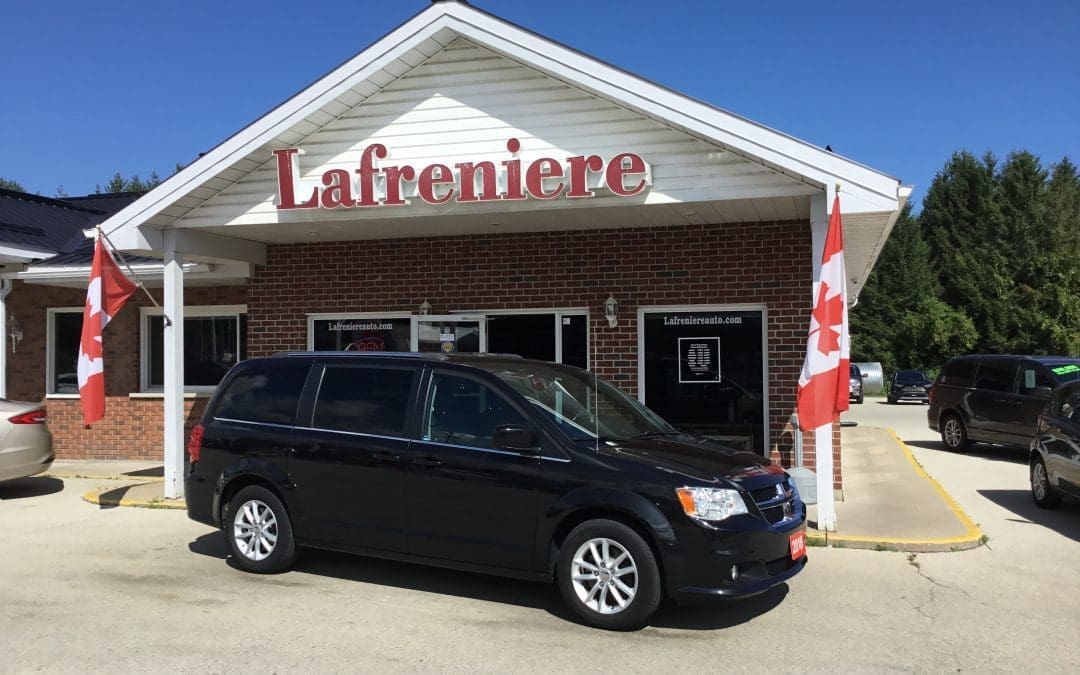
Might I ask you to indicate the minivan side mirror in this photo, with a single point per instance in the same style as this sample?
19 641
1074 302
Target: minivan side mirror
1041 392
514 437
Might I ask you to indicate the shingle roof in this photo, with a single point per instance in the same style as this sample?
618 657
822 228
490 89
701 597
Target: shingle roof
54 225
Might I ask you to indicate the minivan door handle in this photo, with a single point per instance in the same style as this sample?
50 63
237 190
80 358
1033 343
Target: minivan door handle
386 457
427 461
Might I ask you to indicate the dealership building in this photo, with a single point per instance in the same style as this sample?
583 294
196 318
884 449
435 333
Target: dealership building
461 185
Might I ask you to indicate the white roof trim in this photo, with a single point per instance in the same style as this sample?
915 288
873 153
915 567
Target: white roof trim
865 189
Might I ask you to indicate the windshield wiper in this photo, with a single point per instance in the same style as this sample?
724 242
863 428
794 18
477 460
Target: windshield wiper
653 434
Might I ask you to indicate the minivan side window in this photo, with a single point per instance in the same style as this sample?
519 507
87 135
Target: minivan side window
364 400
1030 377
266 392
996 376
463 411
958 372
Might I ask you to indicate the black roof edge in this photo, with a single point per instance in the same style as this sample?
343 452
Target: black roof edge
64 203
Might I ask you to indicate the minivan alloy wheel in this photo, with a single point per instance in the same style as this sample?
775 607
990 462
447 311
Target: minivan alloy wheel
604 575
255 530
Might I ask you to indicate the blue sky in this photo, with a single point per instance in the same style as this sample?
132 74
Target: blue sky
95 88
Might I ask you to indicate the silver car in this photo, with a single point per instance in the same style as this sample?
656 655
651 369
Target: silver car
25 441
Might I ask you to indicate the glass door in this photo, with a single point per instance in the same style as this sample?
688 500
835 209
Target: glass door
449 334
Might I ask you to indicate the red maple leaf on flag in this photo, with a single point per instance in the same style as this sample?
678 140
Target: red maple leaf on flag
827 314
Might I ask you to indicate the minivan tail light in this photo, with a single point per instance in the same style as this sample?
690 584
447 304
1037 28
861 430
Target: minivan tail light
32 417
194 446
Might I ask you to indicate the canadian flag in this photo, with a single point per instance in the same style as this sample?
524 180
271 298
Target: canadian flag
107 292
823 384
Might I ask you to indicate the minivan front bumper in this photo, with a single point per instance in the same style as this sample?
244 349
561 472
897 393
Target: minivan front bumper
760 553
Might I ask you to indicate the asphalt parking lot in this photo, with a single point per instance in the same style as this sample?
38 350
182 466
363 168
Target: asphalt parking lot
136 590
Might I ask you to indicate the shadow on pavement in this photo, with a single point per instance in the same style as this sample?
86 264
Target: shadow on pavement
993 453
1064 520
721 614
152 472
34 486
913 404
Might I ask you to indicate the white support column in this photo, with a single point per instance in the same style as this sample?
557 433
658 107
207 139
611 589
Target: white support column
823 435
174 369
5 288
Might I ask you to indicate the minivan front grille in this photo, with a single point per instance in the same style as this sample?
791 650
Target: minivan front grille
776 502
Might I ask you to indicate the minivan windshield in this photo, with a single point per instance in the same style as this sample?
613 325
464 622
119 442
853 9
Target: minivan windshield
584 406
911 377
1065 372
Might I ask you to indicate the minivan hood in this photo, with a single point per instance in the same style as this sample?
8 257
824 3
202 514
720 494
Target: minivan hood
696 458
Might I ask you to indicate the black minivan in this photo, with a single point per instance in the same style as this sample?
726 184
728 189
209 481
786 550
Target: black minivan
994 399
493 464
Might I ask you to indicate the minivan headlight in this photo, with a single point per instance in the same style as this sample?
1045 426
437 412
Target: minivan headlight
711 503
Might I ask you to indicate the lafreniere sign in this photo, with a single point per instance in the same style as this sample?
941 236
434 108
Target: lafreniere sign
624 175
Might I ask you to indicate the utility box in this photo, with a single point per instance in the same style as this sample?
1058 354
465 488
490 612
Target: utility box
805 482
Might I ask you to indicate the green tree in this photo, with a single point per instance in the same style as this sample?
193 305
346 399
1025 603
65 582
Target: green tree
899 320
9 184
963 223
134 184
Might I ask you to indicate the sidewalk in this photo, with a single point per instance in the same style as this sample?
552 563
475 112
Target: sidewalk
890 502
142 483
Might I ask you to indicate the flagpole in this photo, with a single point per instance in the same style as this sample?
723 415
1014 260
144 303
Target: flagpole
826 504
138 281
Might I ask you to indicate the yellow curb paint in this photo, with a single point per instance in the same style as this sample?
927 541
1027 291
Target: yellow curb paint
94 497
972 530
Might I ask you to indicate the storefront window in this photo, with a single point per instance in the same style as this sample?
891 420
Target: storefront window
65 331
704 373
361 334
215 339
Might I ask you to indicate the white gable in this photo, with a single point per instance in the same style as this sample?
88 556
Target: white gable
462 105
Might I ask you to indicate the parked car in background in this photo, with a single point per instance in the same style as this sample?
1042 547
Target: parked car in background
25 441
492 464
855 385
909 385
995 399
1055 450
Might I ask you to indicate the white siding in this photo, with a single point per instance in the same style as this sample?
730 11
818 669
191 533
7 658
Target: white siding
462 104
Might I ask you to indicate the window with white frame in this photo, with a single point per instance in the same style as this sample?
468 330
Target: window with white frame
63 331
215 338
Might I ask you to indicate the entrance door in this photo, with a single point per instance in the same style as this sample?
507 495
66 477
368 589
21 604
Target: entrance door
703 370
449 334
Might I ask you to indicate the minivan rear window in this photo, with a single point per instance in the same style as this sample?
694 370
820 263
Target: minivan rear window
266 392
364 400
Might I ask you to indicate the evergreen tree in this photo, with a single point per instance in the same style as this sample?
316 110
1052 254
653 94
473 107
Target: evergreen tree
8 184
963 223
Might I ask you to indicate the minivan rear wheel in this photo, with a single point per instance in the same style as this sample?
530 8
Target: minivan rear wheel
1044 494
608 575
954 434
259 531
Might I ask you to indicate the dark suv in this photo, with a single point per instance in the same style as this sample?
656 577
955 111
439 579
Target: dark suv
909 385
994 399
493 464
1055 451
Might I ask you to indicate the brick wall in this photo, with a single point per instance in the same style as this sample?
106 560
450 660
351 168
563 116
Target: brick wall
132 427
765 263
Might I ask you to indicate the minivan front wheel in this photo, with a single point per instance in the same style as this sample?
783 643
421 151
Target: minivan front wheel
259 531
608 575
954 435
1042 491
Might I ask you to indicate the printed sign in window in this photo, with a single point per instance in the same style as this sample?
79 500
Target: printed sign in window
699 360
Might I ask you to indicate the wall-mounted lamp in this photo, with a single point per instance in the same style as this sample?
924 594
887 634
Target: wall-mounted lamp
425 308
14 330
611 311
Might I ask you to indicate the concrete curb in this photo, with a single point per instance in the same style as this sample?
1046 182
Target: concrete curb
87 476
112 497
973 537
